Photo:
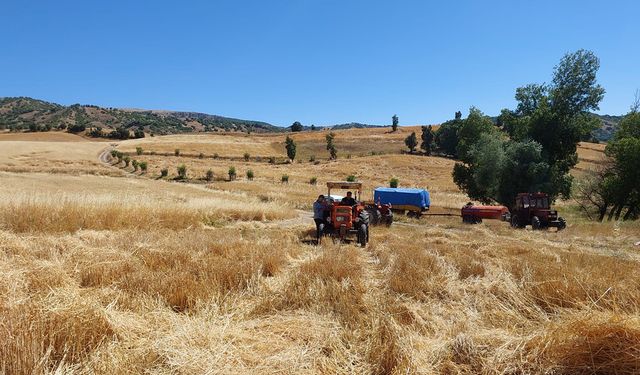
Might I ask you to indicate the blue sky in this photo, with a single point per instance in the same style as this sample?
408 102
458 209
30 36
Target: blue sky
315 61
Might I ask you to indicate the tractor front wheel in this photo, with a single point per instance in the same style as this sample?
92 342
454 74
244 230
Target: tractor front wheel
535 223
363 235
515 222
562 224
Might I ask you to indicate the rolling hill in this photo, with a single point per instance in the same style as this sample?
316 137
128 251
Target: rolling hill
28 113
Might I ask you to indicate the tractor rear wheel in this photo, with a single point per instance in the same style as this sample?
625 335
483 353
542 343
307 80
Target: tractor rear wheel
535 223
363 235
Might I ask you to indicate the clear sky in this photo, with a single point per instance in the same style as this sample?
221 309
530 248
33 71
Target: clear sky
315 61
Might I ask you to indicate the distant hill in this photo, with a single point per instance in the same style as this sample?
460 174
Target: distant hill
38 115
608 127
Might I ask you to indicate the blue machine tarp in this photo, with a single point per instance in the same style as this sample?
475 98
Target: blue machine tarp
402 196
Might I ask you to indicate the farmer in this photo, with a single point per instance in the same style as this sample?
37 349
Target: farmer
348 200
319 209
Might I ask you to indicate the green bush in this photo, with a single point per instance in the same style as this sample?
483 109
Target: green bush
249 175
114 153
134 163
312 158
182 171
143 166
232 173
246 156
394 182
209 176
164 172
176 152
285 179
201 156
313 181
127 160
138 150
351 178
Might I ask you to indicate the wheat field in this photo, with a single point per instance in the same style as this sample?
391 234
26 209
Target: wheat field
107 270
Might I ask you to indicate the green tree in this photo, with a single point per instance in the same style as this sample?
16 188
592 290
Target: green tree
232 173
134 163
250 175
296 127
446 137
470 131
394 122
412 142
138 150
143 166
331 147
182 171
290 145
427 139
393 183
552 117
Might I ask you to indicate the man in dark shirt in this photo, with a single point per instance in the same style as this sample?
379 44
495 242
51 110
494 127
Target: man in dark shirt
348 200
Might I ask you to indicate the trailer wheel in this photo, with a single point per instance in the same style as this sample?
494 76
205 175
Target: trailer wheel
535 223
362 235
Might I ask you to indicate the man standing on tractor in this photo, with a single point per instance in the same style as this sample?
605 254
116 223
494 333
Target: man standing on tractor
319 212
348 200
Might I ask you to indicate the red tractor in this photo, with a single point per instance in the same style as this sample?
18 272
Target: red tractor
343 219
533 209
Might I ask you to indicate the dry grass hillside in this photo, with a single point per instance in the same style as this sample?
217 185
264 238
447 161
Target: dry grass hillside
104 270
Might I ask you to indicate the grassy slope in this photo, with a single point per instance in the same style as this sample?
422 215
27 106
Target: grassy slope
120 274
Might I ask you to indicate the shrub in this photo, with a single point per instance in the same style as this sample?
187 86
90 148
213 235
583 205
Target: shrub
209 176
272 160
164 172
127 160
182 171
215 156
313 181
348 156
249 175
312 158
119 155
152 152
351 178
232 173
134 163
143 166
394 182
246 156
114 153
176 152
139 150
285 179
201 156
